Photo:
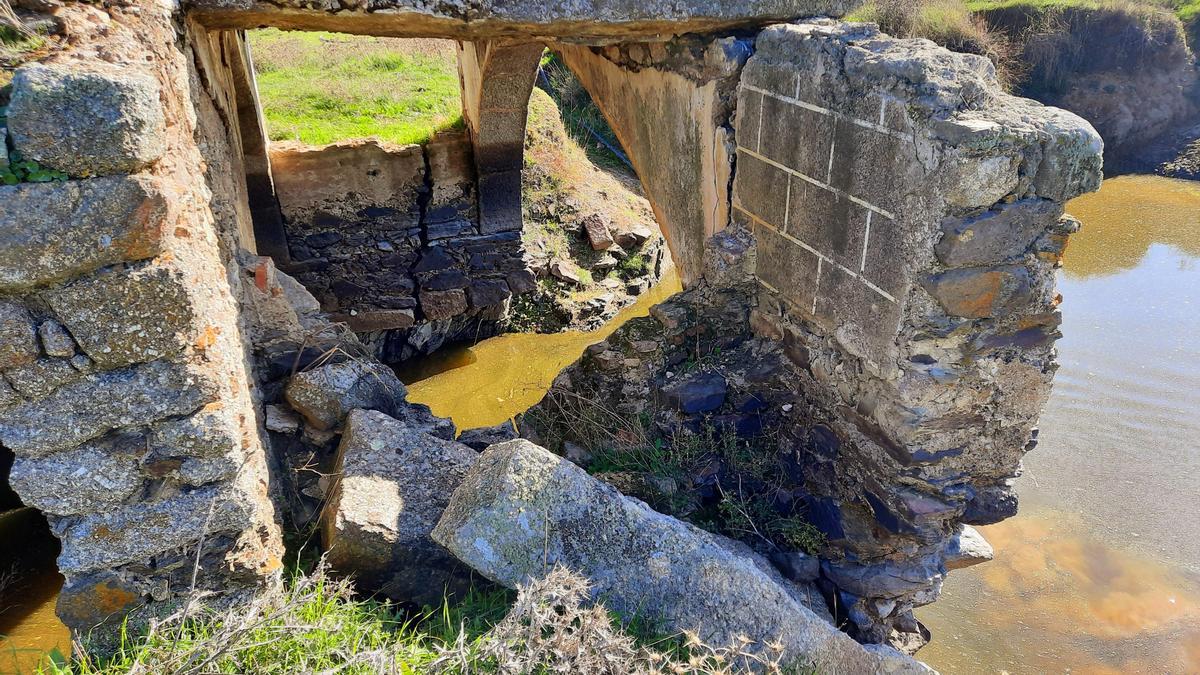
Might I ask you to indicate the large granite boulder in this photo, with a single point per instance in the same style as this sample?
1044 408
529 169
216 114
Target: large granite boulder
522 510
326 394
394 482
51 232
87 120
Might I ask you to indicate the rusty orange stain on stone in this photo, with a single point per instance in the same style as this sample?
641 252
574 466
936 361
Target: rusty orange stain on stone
208 337
262 274
108 599
979 296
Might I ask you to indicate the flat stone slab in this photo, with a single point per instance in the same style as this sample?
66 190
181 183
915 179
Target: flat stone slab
602 20
521 510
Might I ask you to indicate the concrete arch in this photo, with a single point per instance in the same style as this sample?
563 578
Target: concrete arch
496 79
674 123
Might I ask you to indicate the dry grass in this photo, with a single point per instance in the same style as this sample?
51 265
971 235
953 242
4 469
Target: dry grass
948 23
1059 39
317 625
1038 46
554 628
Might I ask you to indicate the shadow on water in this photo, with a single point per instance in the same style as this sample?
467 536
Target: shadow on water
443 360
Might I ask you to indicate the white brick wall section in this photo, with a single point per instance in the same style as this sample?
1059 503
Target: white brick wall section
821 257
819 183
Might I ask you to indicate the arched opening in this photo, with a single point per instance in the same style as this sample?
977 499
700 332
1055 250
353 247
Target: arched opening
400 199
417 238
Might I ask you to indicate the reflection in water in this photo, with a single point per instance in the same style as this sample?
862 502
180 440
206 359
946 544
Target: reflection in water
28 626
1100 573
1127 216
1056 599
496 379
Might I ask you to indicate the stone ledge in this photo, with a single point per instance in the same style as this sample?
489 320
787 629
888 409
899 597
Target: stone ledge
99 403
617 21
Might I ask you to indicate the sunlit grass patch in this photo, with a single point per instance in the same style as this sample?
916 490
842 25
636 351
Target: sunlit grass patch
319 88
317 625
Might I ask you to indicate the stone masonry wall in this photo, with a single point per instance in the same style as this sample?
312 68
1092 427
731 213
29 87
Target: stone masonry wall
908 217
389 241
127 394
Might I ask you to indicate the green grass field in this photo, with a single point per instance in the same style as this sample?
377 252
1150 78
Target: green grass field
323 87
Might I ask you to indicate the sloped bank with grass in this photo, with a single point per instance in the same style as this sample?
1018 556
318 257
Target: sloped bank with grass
318 624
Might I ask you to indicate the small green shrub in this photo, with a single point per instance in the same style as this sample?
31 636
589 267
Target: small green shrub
634 266
799 534
22 170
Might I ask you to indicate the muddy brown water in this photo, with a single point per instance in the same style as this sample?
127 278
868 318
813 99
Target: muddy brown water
490 382
29 585
1100 573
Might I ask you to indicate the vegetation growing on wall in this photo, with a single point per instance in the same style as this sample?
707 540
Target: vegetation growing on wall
661 470
21 170
318 88
19 43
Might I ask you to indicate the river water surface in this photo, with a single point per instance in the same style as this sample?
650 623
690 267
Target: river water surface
1100 572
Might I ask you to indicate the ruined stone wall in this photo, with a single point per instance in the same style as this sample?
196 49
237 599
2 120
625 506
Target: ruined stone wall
127 393
389 241
908 218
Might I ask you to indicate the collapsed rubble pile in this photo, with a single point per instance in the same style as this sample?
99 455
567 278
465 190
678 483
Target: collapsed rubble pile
418 516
